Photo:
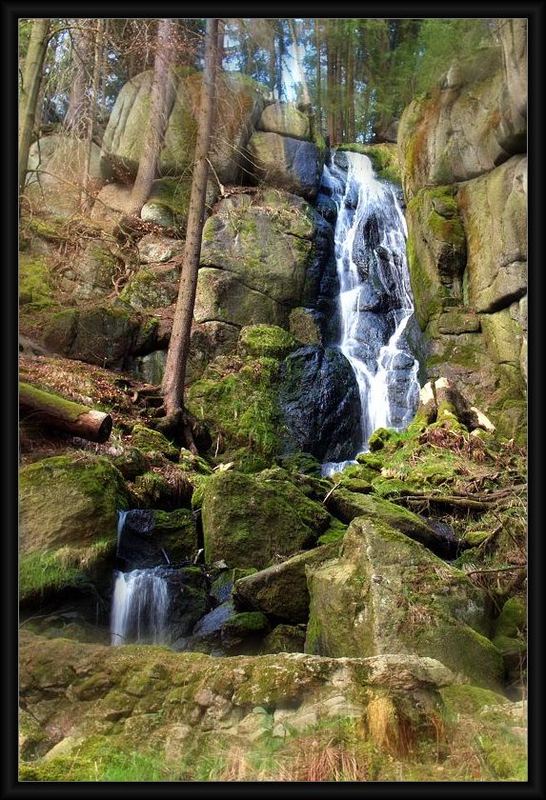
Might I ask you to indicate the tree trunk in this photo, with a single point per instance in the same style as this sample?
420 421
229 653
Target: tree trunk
305 97
62 414
76 117
29 96
318 76
175 368
160 102
330 83
85 202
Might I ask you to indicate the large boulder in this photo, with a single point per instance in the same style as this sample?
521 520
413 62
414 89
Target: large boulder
320 403
68 510
55 172
389 594
239 107
222 297
152 286
286 119
290 164
248 522
471 99
280 591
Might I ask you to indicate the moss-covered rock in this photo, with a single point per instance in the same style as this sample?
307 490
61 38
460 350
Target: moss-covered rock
286 119
285 639
280 591
304 325
150 441
510 635
151 287
35 282
248 522
266 340
401 599
287 163
237 398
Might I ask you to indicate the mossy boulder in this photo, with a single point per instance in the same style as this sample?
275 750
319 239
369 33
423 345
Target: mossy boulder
152 287
92 273
222 297
248 522
237 398
346 505
101 335
168 202
150 441
389 594
266 340
510 635
304 324
240 105
436 250
285 639
35 281
68 509
280 591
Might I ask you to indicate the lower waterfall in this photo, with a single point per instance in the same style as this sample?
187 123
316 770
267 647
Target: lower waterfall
140 607
375 300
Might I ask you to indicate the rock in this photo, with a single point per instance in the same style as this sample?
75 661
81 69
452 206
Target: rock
284 118
150 441
285 639
208 340
513 39
169 200
112 202
265 340
221 297
472 100
320 403
35 281
101 335
154 249
436 250
240 106
304 325
347 505
129 698
249 522
510 636
494 211
150 367
286 163
387 594
55 167
153 286
243 632
266 240
384 157
280 591
94 271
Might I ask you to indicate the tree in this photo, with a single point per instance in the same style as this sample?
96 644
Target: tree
177 355
30 89
160 105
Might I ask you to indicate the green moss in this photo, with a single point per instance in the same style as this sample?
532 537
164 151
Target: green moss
266 340
334 533
246 623
51 403
463 698
379 437
42 573
35 282
150 441
240 406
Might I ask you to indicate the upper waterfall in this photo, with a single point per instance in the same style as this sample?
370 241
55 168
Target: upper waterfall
375 299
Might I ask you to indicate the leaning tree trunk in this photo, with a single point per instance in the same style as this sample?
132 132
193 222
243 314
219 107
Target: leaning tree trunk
177 356
85 198
160 101
32 77
53 411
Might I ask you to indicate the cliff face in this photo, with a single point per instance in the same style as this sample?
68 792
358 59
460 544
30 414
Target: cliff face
464 170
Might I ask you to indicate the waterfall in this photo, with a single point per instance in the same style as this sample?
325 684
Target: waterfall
375 300
140 607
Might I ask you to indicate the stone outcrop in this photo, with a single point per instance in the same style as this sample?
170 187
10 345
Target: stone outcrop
240 105
290 164
286 119
389 594
464 169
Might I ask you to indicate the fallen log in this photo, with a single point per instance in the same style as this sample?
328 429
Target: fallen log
57 412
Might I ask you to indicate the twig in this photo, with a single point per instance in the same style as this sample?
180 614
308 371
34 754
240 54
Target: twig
499 569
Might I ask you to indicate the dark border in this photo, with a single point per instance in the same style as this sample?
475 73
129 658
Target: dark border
10 12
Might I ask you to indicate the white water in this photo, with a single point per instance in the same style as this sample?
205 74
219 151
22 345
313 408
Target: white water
385 370
140 607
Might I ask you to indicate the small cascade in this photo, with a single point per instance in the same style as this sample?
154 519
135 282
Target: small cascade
140 607
375 301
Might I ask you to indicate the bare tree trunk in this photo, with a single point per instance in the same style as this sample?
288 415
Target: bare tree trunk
160 101
330 83
75 120
92 115
32 77
175 368
305 97
318 81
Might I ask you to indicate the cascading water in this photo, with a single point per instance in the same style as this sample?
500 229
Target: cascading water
140 607
375 301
